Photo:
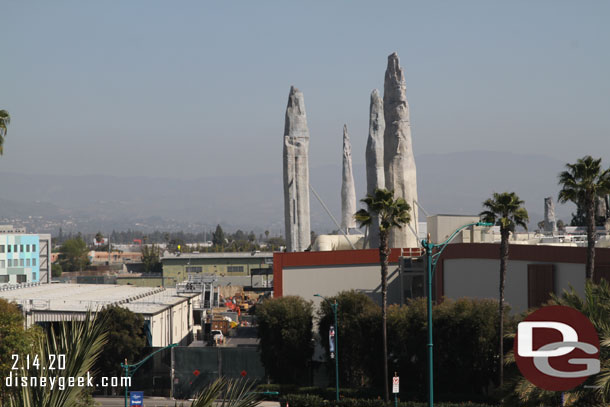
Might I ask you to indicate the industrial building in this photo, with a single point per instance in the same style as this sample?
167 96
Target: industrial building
539 264
168 314
245 269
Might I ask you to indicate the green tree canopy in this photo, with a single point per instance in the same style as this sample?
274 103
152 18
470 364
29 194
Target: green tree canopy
218 237
356 314
151 259
73 254
126 339
286 339
14 339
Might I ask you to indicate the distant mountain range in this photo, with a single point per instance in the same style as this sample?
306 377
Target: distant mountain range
454 183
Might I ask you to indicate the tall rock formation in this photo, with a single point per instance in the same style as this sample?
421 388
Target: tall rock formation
375 173
399 162
348 190
296 174
550 224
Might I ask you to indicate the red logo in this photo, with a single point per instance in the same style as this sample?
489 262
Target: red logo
557 348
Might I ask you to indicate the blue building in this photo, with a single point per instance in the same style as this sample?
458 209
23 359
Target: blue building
19 258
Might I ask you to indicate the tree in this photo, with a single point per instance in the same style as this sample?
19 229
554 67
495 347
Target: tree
5 120
356 314
233 392
218 237
504 210
56 270
73 254
81 342
126 339
582 183
286 339
151 259
14 340
391 213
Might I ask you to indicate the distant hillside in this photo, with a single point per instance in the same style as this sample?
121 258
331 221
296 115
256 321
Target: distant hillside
447 183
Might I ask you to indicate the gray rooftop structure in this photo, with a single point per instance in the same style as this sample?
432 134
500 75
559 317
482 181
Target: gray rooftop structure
223 255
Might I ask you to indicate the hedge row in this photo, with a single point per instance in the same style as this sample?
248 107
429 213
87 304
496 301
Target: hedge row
310 400
328 393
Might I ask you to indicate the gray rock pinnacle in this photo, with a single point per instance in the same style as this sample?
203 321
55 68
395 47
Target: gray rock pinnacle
348 190
296 174
375 173
399 162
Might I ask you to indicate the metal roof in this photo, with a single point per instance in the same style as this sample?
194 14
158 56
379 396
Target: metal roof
80 298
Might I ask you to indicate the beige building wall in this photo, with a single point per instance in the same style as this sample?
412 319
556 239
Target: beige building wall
330 280
480 278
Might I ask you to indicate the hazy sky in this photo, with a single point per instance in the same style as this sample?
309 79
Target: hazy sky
195 88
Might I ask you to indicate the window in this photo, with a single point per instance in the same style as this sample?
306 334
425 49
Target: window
21 248
10 262
4 279
21 278
27 262
9 248
27 248
15 248
2 264
1 248
34 248
235 269
34 277
21 263
194 269
33 262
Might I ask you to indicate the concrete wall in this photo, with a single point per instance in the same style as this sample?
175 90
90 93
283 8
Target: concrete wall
480 278
330 280
172 325
441 227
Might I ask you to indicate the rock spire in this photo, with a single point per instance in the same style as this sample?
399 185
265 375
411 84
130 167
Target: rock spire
348 190
296 174
375 173
550 224
399 162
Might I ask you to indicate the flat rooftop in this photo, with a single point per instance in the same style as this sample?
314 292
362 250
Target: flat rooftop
223 255
79 298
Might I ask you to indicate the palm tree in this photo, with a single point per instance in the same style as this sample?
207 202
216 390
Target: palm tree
504 210
391 213
81 342
582 183
229 392
5 120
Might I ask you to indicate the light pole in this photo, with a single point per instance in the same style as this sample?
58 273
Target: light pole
431 260
334 308
131 369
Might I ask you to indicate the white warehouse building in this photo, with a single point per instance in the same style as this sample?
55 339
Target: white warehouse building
168 315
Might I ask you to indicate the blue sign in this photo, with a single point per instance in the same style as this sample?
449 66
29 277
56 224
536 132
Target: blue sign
136 398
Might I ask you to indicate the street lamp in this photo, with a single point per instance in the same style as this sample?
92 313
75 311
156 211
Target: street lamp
334 308
431 260
131 369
